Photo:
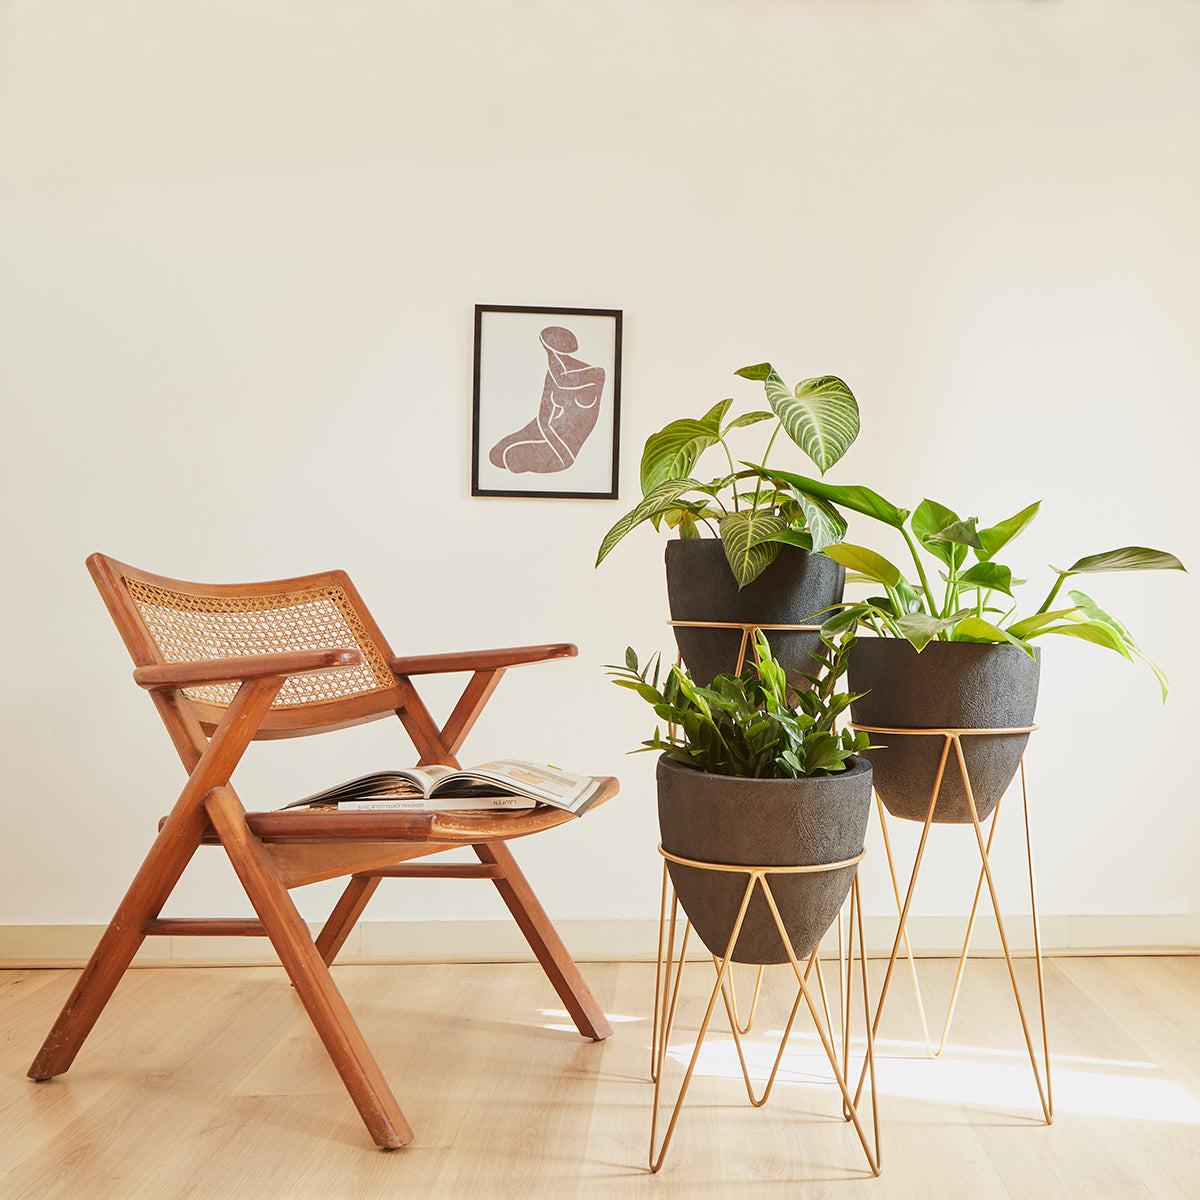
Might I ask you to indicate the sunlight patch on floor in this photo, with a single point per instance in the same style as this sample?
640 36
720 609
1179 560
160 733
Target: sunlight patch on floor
559 1020
963 1075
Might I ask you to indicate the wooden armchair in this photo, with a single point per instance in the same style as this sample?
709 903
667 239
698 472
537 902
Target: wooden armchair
228 664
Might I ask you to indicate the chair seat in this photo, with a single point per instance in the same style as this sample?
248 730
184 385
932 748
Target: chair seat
451 827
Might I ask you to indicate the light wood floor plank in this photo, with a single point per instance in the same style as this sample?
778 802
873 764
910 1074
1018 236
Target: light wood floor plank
209 1084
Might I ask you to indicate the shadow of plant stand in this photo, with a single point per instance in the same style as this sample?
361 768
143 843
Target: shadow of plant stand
670 974
952 738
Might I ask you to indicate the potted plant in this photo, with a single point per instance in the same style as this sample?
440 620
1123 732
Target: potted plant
758 567
951 651
746 777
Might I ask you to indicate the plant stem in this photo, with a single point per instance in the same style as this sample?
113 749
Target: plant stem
1062 575
912 547
951 593
732 469
766 455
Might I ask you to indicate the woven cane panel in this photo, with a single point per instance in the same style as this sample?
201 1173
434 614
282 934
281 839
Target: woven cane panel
194 628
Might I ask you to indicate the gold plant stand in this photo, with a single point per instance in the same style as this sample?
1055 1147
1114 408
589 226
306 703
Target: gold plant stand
670 973
747 628
953 738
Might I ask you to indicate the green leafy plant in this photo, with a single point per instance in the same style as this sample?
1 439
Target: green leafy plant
746 725
820 416
960 592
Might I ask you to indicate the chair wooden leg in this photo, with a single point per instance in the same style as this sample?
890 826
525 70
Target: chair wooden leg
314 985
156 878
543 939
341 921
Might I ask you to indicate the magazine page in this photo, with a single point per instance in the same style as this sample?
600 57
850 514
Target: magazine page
378 785
448 803
541 781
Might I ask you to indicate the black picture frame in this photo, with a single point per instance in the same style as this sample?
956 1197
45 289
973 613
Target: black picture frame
546 402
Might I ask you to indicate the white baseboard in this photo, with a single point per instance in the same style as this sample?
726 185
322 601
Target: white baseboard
603 941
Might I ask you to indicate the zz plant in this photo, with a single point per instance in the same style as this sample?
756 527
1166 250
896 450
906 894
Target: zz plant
820 416
746 725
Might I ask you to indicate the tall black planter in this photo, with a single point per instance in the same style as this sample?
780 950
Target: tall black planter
762 822
948 685
701 587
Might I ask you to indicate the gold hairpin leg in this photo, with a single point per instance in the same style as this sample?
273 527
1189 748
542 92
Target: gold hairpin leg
666 997
1043 1089
664 1017
787 1033
824 1033
656 1161
734 1019
954 738
1048 1103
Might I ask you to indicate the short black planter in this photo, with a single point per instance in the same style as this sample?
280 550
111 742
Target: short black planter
700 587
948 685
757 823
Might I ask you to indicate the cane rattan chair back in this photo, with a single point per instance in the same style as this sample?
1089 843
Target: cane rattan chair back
168 621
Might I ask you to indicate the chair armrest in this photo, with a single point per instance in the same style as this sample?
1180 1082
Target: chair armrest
256 666
479 660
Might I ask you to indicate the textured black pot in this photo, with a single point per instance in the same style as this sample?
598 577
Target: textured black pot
762 822
949 685
701 587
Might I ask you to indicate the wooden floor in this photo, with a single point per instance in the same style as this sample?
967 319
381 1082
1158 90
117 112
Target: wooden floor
210 1083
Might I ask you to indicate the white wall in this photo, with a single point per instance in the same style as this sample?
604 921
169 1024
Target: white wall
240 248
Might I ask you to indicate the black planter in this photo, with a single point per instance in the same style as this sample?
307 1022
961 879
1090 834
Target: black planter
701 587
949 685
762 822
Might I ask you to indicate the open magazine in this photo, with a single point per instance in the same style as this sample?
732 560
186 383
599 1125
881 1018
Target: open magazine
506 783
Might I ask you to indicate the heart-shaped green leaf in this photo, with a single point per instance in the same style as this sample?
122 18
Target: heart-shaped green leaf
1085 604
962 533
792 536
1099 632
866 562
749 419
990 576
671 453
825 523
921 629
843 621
929 517
1031 626
930 520
821 416
976 629
716 414
1088 606
659 501
996 537
854 497
759 371
749 543
1127 558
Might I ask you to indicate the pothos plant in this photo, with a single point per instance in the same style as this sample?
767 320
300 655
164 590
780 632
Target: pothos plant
746 725
960 592
751 509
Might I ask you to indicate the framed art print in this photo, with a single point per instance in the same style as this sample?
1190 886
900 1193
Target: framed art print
547 402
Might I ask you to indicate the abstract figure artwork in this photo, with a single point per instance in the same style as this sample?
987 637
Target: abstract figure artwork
569 447
569 408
